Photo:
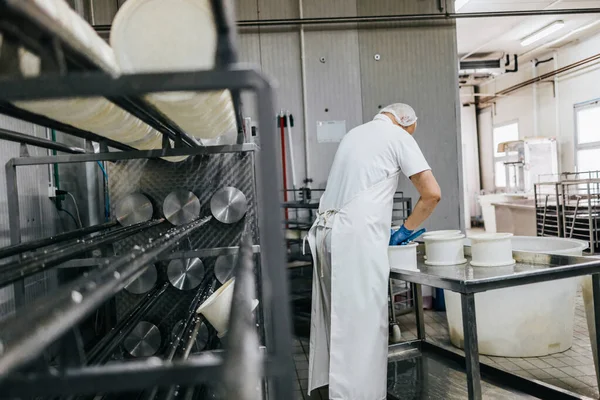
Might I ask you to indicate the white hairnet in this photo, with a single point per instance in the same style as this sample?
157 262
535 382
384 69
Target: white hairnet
404 114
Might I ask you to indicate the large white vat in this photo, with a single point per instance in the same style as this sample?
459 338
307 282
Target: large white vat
525 321
588 302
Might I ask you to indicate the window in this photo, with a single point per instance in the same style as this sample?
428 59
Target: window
587 137
503 133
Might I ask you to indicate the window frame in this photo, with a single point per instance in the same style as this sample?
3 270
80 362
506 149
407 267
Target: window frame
497 159
585 146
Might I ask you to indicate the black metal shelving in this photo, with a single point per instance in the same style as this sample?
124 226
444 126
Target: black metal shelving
54 319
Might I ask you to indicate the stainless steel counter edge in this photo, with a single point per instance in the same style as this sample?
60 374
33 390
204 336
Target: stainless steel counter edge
558 267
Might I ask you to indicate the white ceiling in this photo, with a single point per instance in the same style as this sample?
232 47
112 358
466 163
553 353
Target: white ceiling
483 35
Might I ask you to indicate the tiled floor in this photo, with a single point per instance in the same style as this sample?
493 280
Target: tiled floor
573 370
301 361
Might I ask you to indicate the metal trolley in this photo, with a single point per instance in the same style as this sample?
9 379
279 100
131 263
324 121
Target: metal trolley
50 325
568 205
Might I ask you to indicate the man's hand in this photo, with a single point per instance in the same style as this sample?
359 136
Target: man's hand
400 236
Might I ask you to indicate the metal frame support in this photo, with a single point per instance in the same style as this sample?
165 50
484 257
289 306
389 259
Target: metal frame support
18 137
419 314
14 223
471 346
273 275
596 297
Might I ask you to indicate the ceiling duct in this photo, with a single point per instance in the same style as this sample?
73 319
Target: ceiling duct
481 64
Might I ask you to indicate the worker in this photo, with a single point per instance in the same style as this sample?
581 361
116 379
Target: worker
349 243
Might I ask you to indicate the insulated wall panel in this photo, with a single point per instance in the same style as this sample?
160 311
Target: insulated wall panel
280 60
39 217
333 79
417 65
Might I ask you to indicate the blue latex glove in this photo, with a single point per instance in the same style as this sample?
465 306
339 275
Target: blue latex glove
414 236
400 236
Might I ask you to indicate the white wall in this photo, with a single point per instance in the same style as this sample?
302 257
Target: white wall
544 109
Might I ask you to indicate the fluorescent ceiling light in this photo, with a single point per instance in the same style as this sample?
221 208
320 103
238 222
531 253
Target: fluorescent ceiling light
458 4
542 33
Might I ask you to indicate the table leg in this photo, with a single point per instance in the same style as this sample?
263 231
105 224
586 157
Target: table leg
596 338
418 302
471 346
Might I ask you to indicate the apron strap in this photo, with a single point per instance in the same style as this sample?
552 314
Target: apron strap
324 220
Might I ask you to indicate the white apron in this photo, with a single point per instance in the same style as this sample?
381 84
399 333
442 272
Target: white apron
349 319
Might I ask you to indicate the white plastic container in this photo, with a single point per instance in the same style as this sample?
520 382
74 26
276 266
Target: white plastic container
524 321
488 211
403 257
442 250
217 308
491 250
441 233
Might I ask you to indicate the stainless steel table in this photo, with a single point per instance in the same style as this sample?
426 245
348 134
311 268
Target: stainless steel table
468 280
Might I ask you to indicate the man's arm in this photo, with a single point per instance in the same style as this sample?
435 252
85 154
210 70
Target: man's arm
430 196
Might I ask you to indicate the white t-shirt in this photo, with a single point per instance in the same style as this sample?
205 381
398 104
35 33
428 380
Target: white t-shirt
367 155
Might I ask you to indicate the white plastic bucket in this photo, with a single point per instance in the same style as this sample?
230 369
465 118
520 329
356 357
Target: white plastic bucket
488 211
524 321
441 233
403 257
444 250
217 308
491 250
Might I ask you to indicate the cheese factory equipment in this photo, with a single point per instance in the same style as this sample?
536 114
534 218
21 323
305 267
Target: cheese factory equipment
527 160
103 259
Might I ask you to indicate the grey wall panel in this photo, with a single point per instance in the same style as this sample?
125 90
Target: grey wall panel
332 85
246 9
330 8
396 7
249 52
276 9
38 215
102 12
333 92
280 59
418 67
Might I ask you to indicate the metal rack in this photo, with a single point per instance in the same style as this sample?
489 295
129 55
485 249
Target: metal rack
23 24
53 321
568 205
581 210
548 211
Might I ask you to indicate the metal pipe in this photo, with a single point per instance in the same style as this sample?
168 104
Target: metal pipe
20 269
540 78
105 347
36 244
206 289
17 137
243 368
25 336
126 377
170 394
398 18
412 17
534 100
304 97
